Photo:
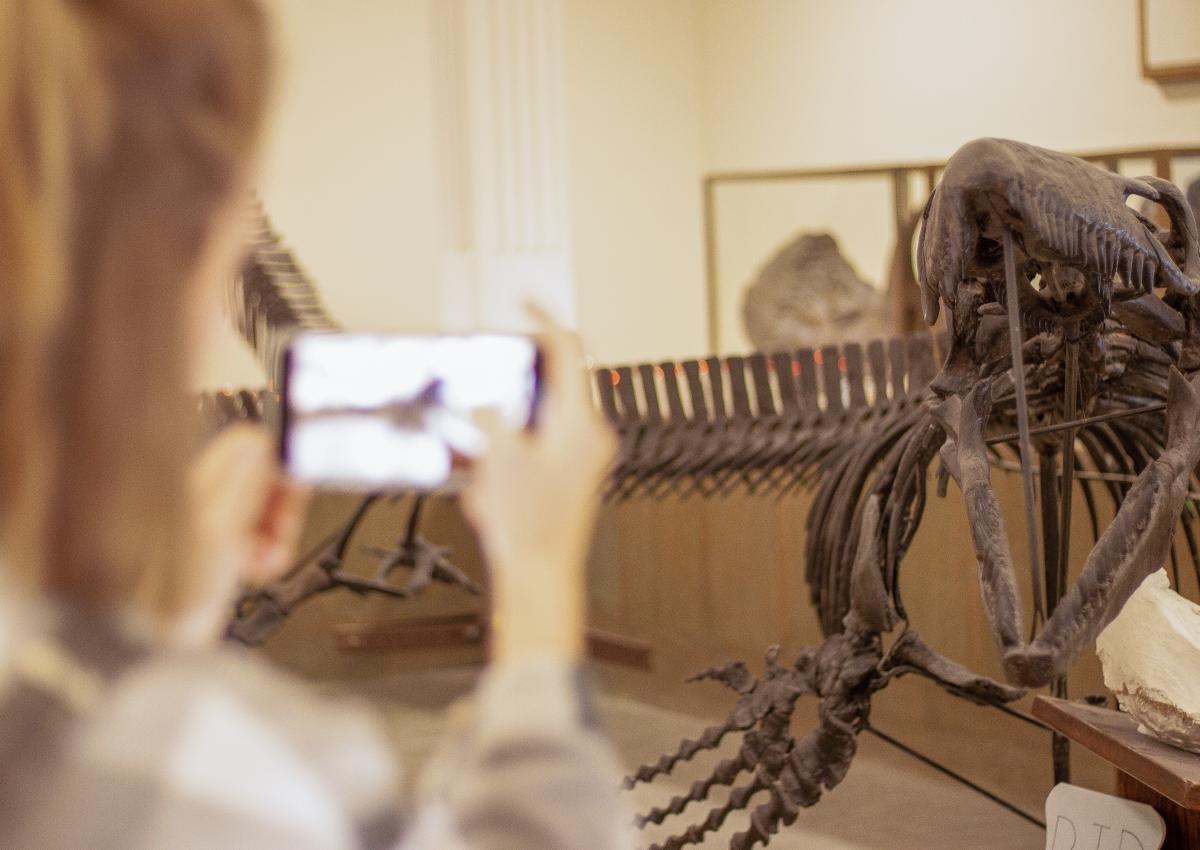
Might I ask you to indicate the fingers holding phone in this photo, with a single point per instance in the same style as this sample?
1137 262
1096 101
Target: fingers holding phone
391 412
533 498
247 521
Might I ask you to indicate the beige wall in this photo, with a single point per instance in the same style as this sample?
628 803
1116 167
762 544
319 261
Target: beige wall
347 166
634 144
660 93
348 171
349 177
801 83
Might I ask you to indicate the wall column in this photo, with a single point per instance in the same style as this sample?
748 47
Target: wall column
499 74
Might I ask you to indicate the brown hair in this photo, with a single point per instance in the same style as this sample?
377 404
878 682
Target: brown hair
133 123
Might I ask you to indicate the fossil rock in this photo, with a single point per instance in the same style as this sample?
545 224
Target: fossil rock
1151 659
808 295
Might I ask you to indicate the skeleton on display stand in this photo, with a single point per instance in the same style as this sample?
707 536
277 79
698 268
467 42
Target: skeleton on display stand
1059 342
1039 262
271 300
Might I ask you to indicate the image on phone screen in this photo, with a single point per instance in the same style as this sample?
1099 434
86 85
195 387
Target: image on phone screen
379 412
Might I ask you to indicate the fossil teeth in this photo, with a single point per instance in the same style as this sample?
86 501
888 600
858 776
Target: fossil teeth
1127 268
1049 225
1139 270
1033 209
1091 254
1045 230
1151 277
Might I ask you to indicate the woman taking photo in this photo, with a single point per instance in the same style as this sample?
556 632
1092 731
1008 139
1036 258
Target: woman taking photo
128 140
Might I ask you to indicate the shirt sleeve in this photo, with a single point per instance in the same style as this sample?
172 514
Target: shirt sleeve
530 768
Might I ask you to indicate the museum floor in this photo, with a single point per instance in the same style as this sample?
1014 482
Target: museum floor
887 802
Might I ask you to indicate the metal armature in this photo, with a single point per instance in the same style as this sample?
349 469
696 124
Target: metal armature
1040 263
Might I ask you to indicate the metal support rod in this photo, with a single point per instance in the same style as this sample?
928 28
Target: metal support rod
1047 473
1017 713
1060 745
1018 374
1070 402
1088 475
957 777
1023 716
1079 423
1054 529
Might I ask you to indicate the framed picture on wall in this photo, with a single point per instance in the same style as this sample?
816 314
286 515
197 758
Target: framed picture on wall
1170 34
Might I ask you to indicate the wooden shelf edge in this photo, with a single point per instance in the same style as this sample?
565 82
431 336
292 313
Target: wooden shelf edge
459 630
1113 736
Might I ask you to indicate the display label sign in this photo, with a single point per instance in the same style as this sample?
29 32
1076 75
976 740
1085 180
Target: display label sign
1080 819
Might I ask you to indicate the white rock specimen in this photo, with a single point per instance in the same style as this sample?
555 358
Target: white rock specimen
1151 659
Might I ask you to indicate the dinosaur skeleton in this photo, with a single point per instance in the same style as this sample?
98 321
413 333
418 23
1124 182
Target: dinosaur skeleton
858 424
259 613
716 443
1017 242
271 300
709 444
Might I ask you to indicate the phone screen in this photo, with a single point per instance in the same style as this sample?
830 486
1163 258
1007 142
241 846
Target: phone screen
379 412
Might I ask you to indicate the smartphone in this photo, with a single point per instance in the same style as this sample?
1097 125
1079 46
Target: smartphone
386 412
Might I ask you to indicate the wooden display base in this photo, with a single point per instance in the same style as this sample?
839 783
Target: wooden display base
1148 771
458 630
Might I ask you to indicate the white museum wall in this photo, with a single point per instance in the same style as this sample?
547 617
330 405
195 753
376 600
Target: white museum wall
347 172
791 84
797 84
658 94
349 176
634 144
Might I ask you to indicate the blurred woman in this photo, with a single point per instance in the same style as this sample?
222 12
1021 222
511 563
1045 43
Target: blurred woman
128 138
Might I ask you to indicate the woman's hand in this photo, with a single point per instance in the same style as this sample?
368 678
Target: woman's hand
533 499
248 520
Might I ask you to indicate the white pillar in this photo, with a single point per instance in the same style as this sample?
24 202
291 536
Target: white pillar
499 73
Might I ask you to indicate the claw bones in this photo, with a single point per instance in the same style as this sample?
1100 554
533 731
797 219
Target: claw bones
843 673
883 492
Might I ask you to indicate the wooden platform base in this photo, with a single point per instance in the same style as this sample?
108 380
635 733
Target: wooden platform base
1148 771
456 630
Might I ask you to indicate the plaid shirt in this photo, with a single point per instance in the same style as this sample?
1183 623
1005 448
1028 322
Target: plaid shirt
105 745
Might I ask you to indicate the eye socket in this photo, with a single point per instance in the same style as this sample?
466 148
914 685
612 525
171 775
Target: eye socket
988 252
